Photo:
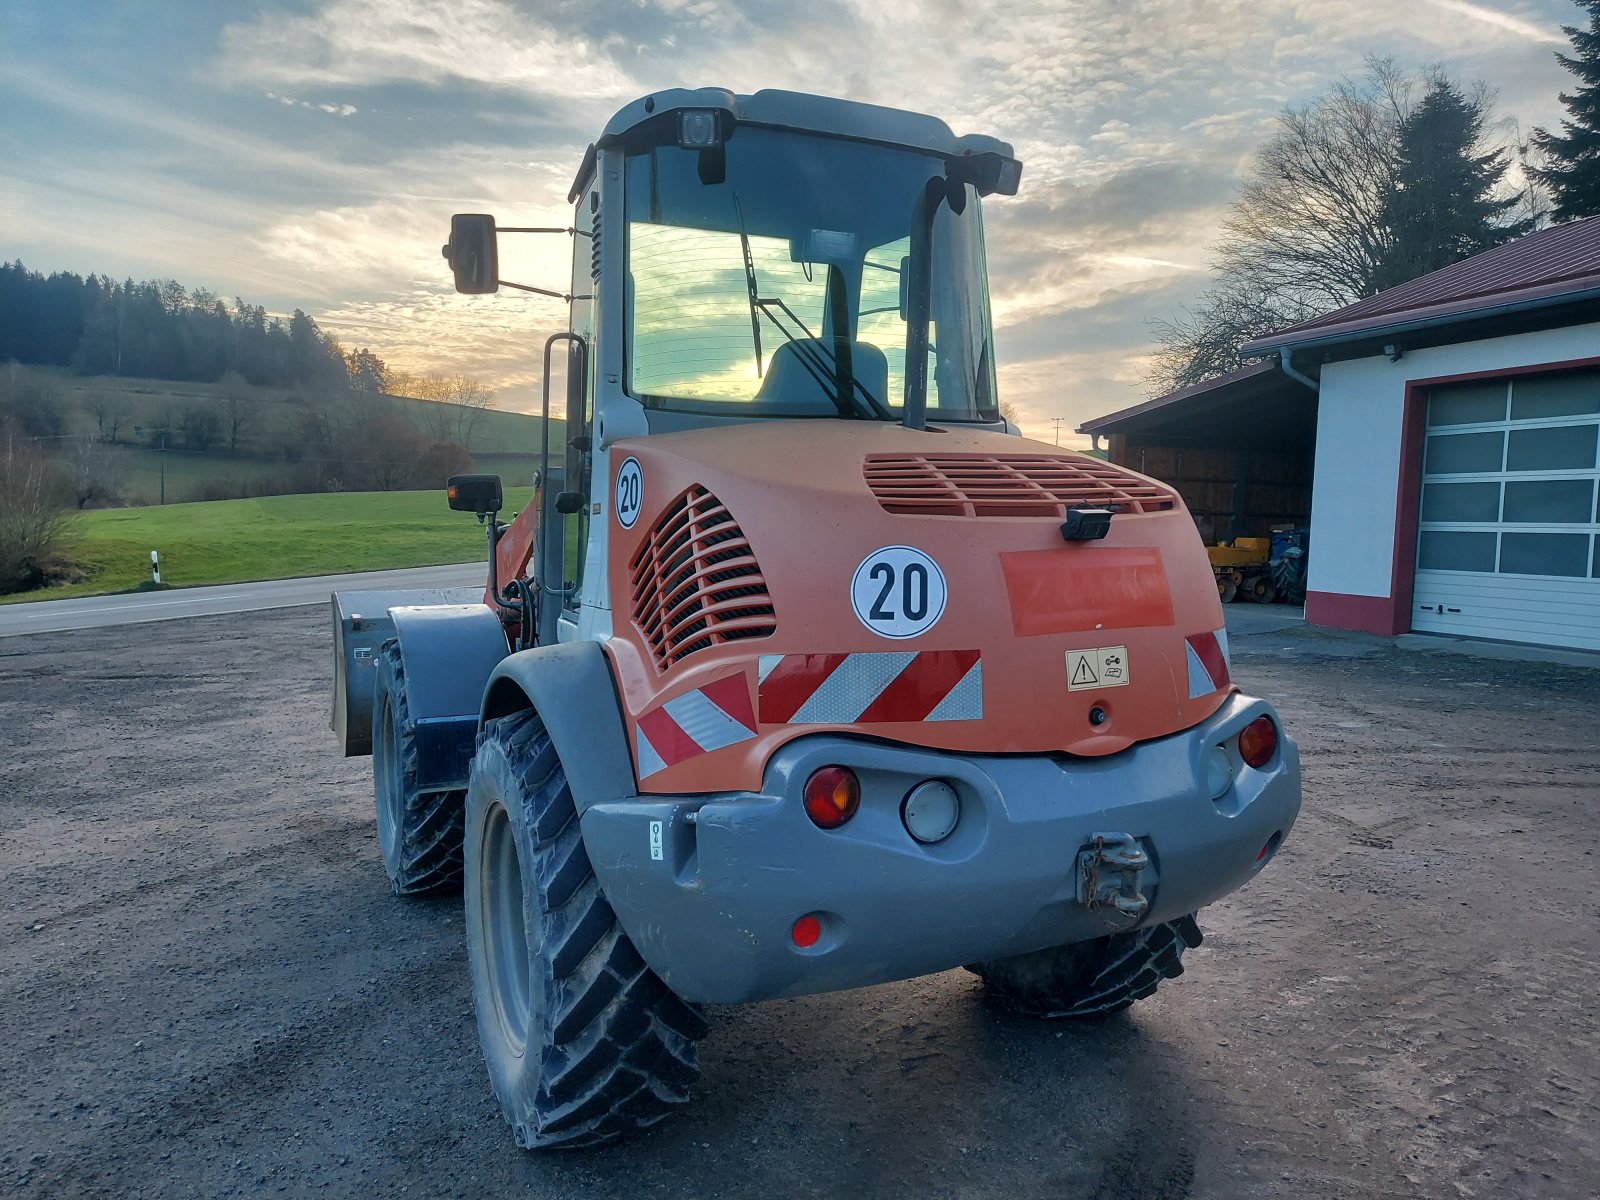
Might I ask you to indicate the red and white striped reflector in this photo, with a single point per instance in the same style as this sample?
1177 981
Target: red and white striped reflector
1208 662
695 723
855 689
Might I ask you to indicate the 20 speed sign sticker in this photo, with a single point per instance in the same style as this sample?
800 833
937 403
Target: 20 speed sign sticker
630 492
898 592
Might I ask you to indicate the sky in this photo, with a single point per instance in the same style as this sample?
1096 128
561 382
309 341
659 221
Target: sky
309 154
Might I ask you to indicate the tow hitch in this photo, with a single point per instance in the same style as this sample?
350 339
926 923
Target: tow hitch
1110 871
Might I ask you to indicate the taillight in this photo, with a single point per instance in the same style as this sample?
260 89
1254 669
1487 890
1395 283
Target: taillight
832 796
1258 742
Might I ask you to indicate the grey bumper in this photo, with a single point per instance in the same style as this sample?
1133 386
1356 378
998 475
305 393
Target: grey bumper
713 914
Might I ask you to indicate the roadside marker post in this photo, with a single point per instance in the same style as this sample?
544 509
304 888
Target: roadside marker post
155 567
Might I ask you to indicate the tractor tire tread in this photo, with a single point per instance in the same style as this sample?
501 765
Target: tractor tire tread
428 856
622 1049
1091 979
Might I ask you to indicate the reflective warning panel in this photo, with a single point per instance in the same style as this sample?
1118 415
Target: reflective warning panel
1105 667
849 689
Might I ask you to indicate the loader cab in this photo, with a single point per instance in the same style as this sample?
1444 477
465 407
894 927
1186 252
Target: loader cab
775 257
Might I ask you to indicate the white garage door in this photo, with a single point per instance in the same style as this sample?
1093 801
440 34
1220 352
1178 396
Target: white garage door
1507 541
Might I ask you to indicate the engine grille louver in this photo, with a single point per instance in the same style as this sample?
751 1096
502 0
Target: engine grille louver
696 582
1009 485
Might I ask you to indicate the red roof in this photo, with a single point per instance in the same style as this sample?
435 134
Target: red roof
1555 262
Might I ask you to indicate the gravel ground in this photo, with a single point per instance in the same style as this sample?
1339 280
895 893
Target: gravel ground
206 988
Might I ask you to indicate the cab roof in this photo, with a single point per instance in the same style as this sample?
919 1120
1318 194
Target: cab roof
809 114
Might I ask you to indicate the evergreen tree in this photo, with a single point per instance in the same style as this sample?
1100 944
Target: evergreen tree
1573 173
1444 202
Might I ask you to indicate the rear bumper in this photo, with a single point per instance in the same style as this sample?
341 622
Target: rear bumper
712 915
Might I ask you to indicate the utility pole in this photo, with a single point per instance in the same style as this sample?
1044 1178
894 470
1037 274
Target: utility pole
163 466
1058 421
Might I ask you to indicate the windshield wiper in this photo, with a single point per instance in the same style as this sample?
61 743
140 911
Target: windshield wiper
832 372
750 283
849 394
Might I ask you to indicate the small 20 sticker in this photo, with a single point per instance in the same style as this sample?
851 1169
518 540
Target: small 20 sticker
1105 667
629 492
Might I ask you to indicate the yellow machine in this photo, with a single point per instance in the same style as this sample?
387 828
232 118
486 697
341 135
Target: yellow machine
1241 567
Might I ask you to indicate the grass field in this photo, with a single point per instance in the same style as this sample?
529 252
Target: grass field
275 537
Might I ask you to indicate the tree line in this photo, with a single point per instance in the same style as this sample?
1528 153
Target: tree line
1381 179
159 329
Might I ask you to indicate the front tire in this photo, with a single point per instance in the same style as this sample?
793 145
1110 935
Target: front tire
1094 978
418 832
584 1043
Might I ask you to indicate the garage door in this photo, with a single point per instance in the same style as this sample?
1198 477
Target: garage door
1507 540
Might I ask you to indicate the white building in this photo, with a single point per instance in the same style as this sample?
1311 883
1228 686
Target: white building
1455 427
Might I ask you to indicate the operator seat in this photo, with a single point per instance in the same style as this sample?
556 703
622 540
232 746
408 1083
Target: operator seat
791 384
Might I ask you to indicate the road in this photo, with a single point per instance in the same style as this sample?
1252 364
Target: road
93 612
207 988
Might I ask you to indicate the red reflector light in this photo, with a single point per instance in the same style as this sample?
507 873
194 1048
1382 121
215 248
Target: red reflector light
807 932
1258 742
832 796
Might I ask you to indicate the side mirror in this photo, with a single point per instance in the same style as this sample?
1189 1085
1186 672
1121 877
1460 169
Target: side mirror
474 493
473 254
990 173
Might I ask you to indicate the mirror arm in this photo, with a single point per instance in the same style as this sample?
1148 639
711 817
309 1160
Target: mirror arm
522 287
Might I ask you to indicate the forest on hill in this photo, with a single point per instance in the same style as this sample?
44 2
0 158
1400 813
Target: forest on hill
159 329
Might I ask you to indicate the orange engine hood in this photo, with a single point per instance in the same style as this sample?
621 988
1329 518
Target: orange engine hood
743 598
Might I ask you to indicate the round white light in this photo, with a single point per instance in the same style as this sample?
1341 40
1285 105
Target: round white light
931 811
1219 772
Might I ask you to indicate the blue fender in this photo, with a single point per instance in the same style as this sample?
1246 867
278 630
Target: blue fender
449 652
571 687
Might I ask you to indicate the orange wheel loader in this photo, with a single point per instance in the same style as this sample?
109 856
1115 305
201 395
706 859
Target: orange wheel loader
802 671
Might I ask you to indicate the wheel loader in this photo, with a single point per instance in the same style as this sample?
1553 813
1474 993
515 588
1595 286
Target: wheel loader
803 670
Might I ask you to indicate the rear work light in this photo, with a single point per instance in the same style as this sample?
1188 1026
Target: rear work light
832 795
1258 742
698 129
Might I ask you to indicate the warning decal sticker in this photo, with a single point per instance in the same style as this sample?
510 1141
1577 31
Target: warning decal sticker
1105 667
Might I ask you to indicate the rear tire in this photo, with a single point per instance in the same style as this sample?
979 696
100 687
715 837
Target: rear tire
1262 590
584 1043
418 832
1091 979
1227 589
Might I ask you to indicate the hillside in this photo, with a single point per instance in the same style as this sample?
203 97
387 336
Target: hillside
271 442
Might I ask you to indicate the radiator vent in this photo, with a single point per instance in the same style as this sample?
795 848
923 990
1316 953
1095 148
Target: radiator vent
696 582
1007 485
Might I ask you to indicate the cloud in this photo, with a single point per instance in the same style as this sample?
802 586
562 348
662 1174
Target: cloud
1501 20
364 43
337 110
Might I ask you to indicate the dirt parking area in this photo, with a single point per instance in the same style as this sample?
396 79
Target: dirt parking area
206 988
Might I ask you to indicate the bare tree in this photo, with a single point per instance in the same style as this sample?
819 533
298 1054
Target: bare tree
32 515
472 399
236 407
94 473
201 424
106 410
1306 233
1310 231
